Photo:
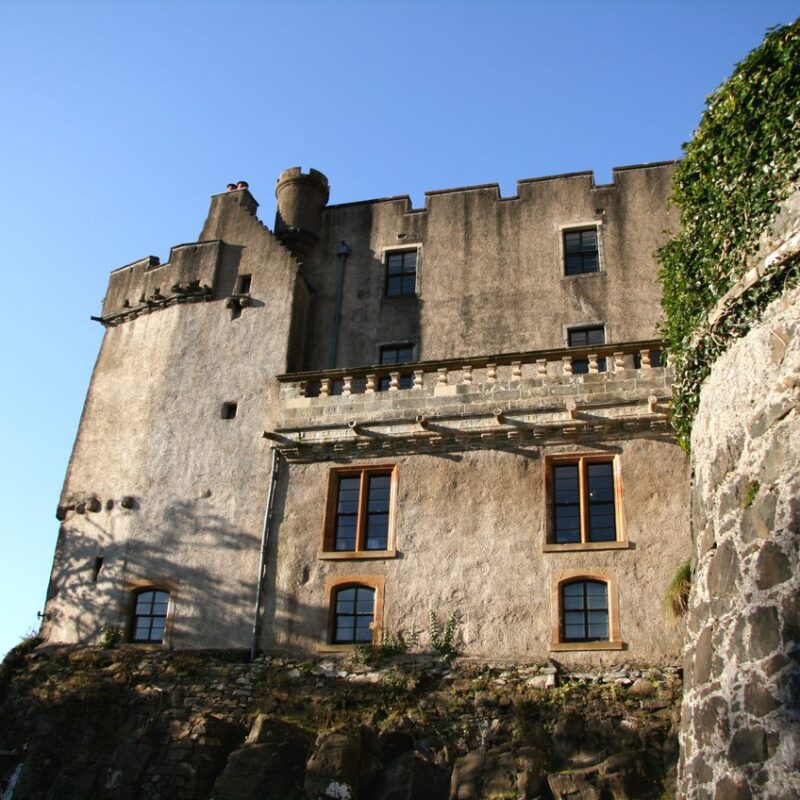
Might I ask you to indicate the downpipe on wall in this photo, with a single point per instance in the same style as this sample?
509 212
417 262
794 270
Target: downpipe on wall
265 532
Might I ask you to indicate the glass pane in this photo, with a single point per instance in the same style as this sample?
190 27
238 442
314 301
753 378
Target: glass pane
394 286
574 633
596 336
576 338
590 263
589 240
344 630
574 265
363 635
598 630
388 355
580 366
366 599
574 618
144 602
160 609
409 284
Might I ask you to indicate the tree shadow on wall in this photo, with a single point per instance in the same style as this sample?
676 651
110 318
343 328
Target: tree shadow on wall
208 565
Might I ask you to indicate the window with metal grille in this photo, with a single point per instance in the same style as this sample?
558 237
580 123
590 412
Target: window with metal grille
586 337
359 511
584 611
583 501
396 354
150 616
401 273
580 252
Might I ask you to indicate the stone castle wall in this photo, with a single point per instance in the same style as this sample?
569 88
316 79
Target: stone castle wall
741 712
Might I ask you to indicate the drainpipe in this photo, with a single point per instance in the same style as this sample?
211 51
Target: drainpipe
342 252
264 542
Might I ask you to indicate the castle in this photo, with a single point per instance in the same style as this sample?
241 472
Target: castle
309 438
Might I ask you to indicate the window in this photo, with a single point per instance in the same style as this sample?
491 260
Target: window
228 410
580 252
245 282
354 615
358 519
584 611
655 359
397 354
150 616
583 501
401 273
355 610
586 337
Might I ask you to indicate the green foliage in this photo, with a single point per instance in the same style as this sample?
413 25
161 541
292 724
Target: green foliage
372 654
111 636
442 636
739 167
676 598
750 493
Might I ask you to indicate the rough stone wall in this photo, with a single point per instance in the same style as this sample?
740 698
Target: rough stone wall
126 724
741 715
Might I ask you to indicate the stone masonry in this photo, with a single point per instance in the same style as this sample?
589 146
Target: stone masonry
741 713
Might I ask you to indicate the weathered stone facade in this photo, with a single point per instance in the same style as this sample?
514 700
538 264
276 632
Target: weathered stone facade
741 713
514 368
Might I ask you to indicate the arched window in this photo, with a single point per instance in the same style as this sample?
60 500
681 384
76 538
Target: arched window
584 611
150 616
353 615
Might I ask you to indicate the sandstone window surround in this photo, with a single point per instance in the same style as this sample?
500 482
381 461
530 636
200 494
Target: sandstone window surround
584 503
349 612
581 249
360 509
581 614
150 612
401 270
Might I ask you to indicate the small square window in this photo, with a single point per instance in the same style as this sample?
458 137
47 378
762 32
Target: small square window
359 511
396 354
401 273
229 410
586 337
580 252
245 281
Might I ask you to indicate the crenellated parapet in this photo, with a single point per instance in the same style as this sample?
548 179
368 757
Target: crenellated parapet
189 276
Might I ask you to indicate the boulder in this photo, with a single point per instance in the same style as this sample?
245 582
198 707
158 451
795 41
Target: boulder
410 777
269 767
333 769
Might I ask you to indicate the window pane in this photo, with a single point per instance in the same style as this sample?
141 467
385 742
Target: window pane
595 336
580 366
576 338
344 630
602 516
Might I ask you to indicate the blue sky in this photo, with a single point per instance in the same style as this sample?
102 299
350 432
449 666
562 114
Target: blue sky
121 118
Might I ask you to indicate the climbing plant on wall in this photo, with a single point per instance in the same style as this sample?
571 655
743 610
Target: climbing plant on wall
740 165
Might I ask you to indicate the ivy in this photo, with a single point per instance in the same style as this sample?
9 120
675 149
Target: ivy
739 167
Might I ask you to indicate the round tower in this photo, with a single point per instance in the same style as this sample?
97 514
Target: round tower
301 198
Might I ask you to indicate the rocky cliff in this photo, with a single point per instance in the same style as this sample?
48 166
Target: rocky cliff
122 723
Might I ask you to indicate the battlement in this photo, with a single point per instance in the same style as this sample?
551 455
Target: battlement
190 275
526 187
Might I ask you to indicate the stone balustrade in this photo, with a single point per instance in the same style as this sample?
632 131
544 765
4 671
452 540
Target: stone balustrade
502 370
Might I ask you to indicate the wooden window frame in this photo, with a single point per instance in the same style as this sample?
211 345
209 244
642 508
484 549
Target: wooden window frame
326 550
581 459
332 586
557 643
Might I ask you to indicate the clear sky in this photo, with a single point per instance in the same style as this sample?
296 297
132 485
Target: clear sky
121 118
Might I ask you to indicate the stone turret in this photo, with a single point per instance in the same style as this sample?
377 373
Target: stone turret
301 198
